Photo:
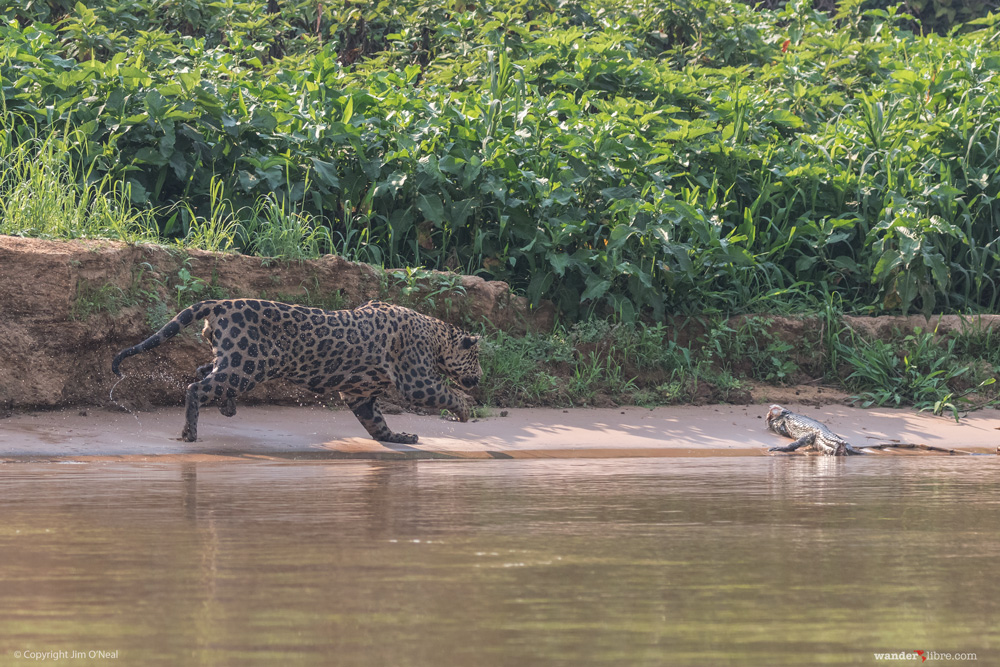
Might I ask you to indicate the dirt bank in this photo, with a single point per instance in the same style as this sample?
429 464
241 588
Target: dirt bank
67 307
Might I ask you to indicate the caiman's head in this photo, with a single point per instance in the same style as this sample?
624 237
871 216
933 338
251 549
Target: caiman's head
774 412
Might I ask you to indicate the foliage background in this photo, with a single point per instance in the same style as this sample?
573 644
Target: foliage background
634 158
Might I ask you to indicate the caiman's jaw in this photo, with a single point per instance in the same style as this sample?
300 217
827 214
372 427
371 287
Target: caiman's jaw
773 413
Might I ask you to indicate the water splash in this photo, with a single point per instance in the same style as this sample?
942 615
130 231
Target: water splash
111 397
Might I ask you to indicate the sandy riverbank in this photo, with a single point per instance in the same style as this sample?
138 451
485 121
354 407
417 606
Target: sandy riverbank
317 433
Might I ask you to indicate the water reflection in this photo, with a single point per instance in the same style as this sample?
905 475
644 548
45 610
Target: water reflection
679 561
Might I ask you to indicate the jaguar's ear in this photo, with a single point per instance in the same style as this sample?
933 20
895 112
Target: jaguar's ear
469 341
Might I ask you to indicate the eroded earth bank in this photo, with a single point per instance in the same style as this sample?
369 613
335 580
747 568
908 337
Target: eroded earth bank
67 307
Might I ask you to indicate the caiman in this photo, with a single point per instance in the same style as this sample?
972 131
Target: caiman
806 432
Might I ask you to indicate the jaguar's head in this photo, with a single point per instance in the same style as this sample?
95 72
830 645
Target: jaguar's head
459 360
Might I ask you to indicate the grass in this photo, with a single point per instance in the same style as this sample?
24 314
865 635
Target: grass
921 369
92 299
274 229
593 363
189 289
515 369
604 363
435 291
40 196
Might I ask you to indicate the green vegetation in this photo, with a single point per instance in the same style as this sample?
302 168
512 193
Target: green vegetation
930 15
624 160
595 363
422 289
91 299
598 364
618 158
311 296
40 197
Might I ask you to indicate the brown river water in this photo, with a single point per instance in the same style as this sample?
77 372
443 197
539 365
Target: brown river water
707 561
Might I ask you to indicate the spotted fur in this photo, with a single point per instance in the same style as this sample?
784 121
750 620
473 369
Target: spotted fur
362 353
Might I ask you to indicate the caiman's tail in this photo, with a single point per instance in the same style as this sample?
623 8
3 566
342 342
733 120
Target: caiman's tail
198 311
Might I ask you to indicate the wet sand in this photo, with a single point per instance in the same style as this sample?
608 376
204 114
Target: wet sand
302 433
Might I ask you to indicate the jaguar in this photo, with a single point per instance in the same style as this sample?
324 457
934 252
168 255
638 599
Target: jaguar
364 353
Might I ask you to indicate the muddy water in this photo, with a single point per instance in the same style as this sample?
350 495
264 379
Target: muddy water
624 562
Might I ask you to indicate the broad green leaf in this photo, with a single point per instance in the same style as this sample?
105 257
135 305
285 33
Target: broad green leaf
620 234
596 288
263 121
156 105
189 79
136 192
460 212
944 190
326 172
432 207
784 119
348 110
247 180
939 269
559 261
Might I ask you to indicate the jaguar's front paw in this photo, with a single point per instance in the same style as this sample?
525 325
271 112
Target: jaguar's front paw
401 438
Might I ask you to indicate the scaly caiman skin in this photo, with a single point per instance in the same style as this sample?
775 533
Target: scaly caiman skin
806 432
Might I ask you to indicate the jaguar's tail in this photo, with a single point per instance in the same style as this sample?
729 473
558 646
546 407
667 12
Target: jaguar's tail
181 320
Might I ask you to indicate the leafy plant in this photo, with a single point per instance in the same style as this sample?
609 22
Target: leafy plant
91 299
950 401
627 162
916 371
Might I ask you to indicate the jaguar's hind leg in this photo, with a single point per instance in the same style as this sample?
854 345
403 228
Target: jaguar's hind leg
193 399
368 413
224 387
227 406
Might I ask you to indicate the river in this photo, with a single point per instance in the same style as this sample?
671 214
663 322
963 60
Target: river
681 561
